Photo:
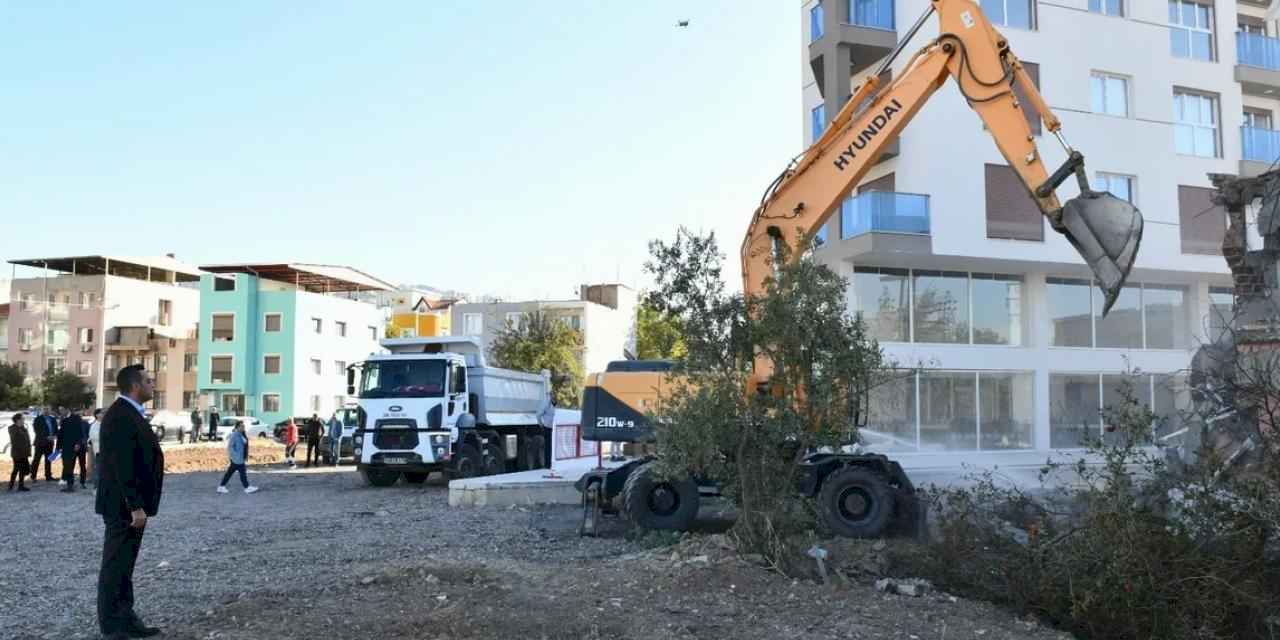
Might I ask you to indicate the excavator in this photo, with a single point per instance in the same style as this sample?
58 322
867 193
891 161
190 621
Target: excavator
861 494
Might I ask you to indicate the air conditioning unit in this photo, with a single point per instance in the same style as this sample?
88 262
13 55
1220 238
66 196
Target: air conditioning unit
24 347
86 348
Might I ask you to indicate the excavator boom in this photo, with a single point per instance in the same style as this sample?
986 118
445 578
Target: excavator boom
1105 230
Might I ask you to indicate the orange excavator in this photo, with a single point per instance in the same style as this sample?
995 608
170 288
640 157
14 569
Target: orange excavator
858 494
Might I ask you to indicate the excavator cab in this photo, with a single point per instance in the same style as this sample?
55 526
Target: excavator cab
1104 229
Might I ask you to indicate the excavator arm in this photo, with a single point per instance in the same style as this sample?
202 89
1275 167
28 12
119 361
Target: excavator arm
1105 230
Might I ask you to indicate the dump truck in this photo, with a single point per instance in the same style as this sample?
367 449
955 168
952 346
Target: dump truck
434 405
860 494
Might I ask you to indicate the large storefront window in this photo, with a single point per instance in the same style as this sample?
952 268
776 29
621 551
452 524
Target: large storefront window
1144 316
941 300
883 296
948 411
958 411
939 307
1081 404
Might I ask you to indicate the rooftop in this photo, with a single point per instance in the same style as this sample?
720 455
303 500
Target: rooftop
152 268
317 278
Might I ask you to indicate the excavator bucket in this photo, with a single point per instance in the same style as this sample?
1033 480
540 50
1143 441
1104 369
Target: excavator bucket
1106 231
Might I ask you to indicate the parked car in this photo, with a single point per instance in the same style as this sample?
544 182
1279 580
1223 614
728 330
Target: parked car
278 431
169 423
346 447
253 427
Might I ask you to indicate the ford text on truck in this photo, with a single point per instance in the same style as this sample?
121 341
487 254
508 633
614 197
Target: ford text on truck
433 405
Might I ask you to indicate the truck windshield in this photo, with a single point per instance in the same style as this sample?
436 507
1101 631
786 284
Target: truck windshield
402 379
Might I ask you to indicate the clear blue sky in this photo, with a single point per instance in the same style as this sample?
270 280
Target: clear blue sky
515 148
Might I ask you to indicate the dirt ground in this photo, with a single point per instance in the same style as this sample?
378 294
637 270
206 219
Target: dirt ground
317 554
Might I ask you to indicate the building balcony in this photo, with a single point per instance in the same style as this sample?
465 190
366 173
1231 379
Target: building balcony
854 35
881 223
1258 64
1260 149
128 338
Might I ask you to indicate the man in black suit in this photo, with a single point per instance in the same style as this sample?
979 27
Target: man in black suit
129 488
71 441
315 429
46 429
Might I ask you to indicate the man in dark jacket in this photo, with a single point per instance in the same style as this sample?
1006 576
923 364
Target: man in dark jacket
46 429
20 450
195 427
315 429
71 443
128 494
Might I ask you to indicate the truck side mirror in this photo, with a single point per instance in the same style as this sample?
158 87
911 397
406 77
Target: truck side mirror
351 381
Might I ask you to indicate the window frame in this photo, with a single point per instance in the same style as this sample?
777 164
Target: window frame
340 327
1102 8
466 323
970 278
266 324
317 325
279 364
817 122
1214 54
84 368
231 377
1215 102
317 366
212 321
1128 92
276 396
1032 17
1094 309
1107 176
817 15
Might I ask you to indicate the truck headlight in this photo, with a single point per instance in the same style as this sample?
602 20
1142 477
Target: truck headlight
439 439
358 439
439 453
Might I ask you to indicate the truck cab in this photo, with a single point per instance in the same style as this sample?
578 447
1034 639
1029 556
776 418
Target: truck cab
433 405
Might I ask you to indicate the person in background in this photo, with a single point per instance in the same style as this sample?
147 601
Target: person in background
195 426
71 442
46 432
238 457
132 481
20 451
290 442
335 439
315 428
214 419
95 444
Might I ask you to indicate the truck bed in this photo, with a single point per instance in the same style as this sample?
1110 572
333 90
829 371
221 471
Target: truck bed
505 397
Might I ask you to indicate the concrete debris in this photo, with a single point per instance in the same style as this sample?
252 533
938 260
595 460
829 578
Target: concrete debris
911 587
367 580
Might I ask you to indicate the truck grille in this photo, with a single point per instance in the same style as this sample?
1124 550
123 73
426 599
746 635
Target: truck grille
395 435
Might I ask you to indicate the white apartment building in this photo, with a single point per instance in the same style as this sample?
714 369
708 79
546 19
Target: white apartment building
954 270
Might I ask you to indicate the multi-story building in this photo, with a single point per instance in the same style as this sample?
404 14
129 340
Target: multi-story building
276 339
605 314
951 264
4 332
415 313
91 315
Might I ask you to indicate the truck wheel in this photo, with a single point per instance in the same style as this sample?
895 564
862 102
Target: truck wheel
380 477
856 502
494 463
416 478
659 504
466 464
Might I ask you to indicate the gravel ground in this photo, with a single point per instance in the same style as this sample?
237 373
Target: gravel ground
316 554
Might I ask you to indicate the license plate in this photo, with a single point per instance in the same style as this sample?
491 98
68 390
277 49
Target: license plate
396 460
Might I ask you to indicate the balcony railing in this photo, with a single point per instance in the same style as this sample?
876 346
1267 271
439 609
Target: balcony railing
1257 50
1260 145
884 212
877 14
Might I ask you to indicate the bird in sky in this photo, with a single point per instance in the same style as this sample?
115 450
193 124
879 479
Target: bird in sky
682 23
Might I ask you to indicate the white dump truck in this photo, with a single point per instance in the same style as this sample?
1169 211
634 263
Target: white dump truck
432 404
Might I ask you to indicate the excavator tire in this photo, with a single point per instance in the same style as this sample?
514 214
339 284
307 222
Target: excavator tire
856 502
655 503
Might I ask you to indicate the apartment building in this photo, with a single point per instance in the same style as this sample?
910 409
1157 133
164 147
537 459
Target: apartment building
604 313
92 315
4 332
950 262
415 313
276 339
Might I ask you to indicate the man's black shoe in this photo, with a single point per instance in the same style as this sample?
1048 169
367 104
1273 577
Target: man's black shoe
138 630
23 489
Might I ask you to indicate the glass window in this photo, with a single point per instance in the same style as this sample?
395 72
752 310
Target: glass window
872 13
224 327
1073 409
941 302
84 335
315 366
373 334
1005 404
815 21
84 368
1109 94
273 322
317 325
1221 300
315 404
340 367
162 362
341 327
189 362
473 324
1117 391
1122 328
1069 312
224 284
997 309
188 400
270 402
882 296
948 411
1107 7
513 319
1165 311
817 122
891 418
271 364
1195 126
1171 403
1008 13
160 402
1257 119
402 379
1191 30
220 369
1120 186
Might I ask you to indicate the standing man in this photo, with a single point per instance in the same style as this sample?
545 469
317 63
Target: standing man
95 444
214 419
132 478
71 442
314 430
20 450
195 425
46 428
